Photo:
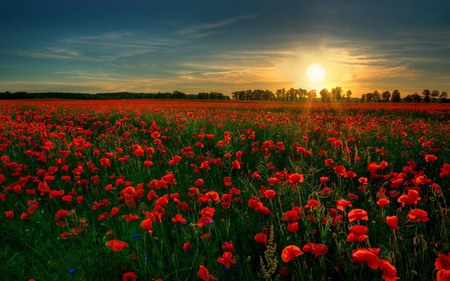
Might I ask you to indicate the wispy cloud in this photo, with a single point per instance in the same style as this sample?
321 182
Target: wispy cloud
204 29
107 47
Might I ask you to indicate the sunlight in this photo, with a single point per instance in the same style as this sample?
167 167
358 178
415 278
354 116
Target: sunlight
315 73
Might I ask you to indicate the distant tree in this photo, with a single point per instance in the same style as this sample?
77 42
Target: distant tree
396 97
349 94
302 94
369 97
416 97
426 94
363 98
325 95
434 94
386 96
311 95
336 94
408 99
376 96
443 95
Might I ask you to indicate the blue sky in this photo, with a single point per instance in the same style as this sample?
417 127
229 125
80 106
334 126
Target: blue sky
193 46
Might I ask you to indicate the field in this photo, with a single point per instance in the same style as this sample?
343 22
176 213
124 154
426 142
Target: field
152 190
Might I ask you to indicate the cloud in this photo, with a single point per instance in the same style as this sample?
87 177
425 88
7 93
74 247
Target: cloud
106 47
204 29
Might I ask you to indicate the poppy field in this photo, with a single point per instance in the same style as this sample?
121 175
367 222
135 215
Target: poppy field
152 190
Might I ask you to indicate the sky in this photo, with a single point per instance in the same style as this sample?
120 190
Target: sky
196 46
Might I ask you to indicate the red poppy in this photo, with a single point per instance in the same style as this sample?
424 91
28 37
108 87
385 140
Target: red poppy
228 246
357 214
316 249
443 275
9 214
389 272
129 276
261 238
179 219
383 202
295 178
226 259
417 215
340 170
392 222
342 203
357 233
290 252
443 261
312 204
269 194
116 245
204 274
187 246
293 227
367 256
411 198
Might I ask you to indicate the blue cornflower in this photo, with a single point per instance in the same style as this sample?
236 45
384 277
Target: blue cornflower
72 271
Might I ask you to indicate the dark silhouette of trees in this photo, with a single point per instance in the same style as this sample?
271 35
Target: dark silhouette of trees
426 93
325 95
396 97
385 96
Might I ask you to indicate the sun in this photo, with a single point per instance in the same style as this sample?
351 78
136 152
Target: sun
315 73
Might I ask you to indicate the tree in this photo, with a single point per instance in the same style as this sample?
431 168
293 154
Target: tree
443 95
376 96
434 94
311 95
426 94
416 97
396 97
336 93
363 98
325 95
369 97
385 96
349 94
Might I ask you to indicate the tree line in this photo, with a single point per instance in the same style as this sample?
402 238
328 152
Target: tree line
114 95
337 94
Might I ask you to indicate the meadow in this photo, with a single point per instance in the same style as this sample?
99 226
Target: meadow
158 190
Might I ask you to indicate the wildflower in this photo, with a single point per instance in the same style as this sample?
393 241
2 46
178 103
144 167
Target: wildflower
72 271
316 249
226 259
389 272
411 198
369 257
204 274
383 202
116 245
442 264
357 214
357 233
290 252
392 222
129 276
186 246
417 215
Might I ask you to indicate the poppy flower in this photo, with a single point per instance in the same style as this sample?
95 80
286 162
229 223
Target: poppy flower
228 246
411 198
383 202
392 222
204 274
316 249
367 256
389 272
293 227
357 214
443 261
261 238
290 252
357 233
116 245
226 259
295 178
187 246
269 194
417 215
9 214
129 276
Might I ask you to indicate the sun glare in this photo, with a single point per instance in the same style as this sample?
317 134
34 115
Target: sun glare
315 73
